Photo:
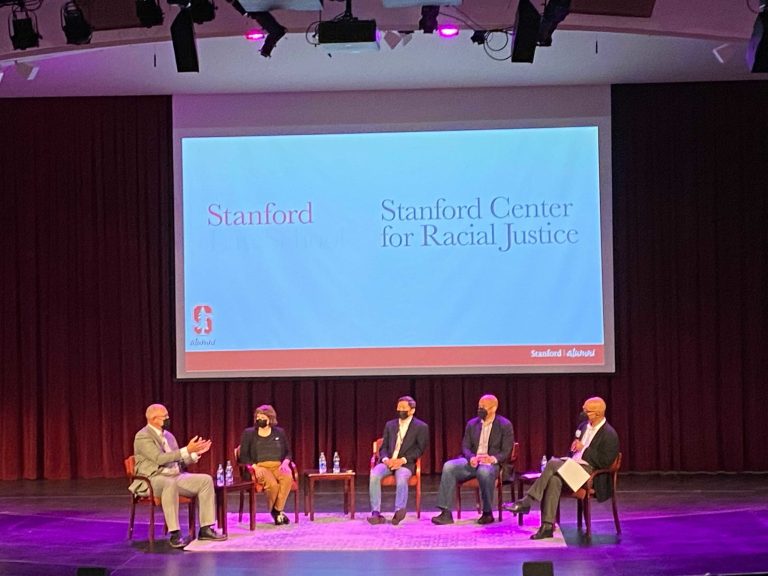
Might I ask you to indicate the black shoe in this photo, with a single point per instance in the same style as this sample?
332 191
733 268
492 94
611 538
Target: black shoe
399 516
208 533
176 541
545 531
282 519
376 518
519 507
445 517
485 518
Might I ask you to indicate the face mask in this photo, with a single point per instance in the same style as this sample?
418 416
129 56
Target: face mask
583 416
166 424
402 414
482 413
262 423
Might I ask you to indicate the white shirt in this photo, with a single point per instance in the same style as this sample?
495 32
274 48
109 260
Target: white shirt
401 432
589 434
485 435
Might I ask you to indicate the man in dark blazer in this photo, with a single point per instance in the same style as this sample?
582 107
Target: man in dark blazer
404 441
488 440
595 446
159 458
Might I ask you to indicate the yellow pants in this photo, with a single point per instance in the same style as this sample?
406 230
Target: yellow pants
277 484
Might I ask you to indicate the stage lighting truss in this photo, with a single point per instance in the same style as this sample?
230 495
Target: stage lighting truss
76 28
149 13
201 11
22 24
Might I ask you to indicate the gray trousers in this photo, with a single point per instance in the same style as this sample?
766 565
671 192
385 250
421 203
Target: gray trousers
169 488
547 489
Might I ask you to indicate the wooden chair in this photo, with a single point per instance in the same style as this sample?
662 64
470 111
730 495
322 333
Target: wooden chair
586 493
414 480
153 501
245 471
501 480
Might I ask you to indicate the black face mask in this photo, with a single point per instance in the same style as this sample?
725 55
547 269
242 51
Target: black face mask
262 423
166 424
583 416
482 413
402 414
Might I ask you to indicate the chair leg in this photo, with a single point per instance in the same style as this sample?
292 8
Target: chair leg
252 507
418 499
240 511
616 515
588 518
458 502
579 513
130 521
500 497
151 526
296 506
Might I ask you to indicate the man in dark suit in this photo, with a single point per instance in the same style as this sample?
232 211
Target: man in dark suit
488 440
595 446
159 458
405 439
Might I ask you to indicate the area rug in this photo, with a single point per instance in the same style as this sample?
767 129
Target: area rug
334 532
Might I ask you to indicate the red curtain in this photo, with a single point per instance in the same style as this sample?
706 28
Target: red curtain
87 292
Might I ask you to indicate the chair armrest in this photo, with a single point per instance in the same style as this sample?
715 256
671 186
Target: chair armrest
294 471
147 482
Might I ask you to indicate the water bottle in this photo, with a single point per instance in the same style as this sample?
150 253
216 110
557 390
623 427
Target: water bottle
220 475
336 463
543 462
322 464
229 474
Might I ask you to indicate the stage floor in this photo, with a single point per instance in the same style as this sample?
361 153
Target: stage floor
672 525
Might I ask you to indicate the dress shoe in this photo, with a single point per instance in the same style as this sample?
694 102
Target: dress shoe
176 541
399 516
208 533
376 518
282 519
544 531
445 517
518 507
485 518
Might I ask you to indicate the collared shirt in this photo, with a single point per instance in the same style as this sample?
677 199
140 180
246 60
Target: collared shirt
172 468
589 434
485 435
401 432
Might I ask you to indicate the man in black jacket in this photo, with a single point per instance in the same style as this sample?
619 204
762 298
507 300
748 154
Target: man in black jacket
488 440
595 446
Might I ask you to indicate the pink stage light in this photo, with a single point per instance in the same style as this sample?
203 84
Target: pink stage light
255 35
448 30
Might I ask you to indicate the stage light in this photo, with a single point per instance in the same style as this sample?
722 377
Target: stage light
428 21
76 28
272 27
202 11
24 26
183 39
255 35
448 31
555 12
149 13
478 37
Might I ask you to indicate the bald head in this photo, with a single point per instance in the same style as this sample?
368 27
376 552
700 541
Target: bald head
595 409
156 414
489 403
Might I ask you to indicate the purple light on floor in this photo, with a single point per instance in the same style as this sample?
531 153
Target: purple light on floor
255 35
448 31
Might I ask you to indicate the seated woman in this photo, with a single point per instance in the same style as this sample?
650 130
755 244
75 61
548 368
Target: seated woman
265 449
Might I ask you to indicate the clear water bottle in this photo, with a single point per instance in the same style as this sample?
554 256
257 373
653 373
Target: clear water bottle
220 475
230 474
336 463
322 465
543 462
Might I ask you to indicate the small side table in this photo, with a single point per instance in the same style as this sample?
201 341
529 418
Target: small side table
221 501
312 476
521 481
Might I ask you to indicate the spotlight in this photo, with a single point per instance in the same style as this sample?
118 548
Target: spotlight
272 27
76 28
183 39
255 35
24 33
202 11
448 30
478 37
555 12
428 21
149 13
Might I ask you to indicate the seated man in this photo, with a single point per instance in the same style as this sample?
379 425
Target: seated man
159 458
488 440
405 439
595 446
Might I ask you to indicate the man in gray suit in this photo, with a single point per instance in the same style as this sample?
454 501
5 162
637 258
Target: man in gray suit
159 458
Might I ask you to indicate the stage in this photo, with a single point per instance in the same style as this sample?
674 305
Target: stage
671 524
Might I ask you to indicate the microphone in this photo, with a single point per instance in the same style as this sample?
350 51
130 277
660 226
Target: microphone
578 433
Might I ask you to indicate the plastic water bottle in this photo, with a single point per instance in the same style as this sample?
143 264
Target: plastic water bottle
220 475
322 465
543 462
229 474
336 463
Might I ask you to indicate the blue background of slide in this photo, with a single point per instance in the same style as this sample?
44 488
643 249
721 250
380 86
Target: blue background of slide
331 284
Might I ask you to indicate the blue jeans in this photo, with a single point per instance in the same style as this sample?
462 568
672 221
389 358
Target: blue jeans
380 471
459 470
